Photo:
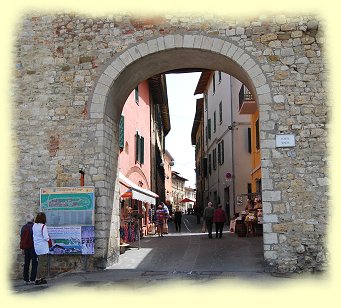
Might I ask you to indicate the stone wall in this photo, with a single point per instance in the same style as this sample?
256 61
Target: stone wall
72 75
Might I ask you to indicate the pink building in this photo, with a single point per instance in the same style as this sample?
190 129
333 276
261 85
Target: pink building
169 162
134 157
134 164
143 127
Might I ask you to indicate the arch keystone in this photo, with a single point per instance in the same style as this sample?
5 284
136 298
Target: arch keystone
188 41
178 41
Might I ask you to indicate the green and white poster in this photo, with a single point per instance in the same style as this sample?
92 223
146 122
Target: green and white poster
70 218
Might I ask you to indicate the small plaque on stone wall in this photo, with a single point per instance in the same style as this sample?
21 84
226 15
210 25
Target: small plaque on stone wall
285 141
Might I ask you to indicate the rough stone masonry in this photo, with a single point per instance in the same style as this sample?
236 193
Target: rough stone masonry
72 74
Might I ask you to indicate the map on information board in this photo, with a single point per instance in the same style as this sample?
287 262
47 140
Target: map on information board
70 218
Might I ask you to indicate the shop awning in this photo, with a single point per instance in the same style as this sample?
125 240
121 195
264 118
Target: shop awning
187 200
137 192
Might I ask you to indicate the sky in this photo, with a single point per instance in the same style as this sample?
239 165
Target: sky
182 104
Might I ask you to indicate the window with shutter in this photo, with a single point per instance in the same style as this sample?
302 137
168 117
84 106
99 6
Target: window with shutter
141 150
137 146
249 140
214 121
214 159
121 133
213 90
209 128
205 166
210 163
257 134
221 112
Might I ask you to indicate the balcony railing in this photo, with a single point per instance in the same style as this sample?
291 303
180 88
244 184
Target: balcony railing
247 104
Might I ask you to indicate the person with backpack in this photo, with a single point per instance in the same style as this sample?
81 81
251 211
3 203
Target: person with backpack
41 245
27 247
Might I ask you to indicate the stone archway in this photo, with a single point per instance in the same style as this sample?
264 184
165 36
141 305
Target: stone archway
74 73
157 55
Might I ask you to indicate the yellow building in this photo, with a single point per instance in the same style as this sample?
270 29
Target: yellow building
256 175
247 105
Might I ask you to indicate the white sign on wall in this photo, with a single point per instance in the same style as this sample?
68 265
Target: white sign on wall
284 141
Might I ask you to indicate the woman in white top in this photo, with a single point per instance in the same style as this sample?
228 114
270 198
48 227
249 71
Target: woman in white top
41 246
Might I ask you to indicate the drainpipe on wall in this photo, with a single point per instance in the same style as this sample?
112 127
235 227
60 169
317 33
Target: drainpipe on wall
82 173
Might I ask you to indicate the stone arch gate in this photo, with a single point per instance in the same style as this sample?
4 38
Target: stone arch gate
280 62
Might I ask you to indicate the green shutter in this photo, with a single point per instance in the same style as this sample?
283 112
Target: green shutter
142 150
219 153
121 133
137 95
137 141
221 112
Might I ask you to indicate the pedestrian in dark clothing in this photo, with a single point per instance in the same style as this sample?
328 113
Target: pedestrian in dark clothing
219 218
198 214
177 219
208 217
31 257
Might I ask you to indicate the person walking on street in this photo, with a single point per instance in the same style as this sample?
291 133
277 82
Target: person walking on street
165 225
219 218
160 219
208 217
27 247
177 218
41 246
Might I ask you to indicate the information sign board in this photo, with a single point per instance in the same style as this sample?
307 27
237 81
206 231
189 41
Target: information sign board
70 218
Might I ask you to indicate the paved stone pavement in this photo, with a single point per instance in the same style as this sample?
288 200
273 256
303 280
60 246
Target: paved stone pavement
189 256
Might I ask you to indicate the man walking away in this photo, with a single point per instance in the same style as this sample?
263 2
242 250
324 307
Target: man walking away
208 217
177 218
27 247
219 219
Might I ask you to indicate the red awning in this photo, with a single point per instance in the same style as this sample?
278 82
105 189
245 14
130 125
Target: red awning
127 194
187 200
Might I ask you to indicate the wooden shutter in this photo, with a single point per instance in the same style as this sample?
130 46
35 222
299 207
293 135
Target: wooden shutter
141 150
249 140
257 134
121 133
137 147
